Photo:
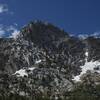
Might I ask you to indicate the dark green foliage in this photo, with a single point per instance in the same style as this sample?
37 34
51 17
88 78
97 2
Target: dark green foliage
79 93
85 93
17 97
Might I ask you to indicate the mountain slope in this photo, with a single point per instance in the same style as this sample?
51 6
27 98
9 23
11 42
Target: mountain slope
44 60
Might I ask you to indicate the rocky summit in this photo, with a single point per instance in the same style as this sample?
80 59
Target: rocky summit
44 62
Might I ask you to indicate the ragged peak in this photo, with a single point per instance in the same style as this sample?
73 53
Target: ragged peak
38 31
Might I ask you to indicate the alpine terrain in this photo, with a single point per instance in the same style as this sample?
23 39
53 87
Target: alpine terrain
44 62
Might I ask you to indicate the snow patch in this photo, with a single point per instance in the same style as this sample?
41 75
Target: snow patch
38 61
86 56
31 68
87 66
21 73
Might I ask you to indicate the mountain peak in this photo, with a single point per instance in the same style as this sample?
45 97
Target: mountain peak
42 32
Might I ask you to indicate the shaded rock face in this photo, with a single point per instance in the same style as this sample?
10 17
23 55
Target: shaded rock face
56 56
93 45
48 43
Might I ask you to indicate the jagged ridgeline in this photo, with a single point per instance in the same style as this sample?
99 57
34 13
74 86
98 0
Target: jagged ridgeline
45 62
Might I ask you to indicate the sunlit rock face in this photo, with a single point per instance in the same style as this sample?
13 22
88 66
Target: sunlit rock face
49 57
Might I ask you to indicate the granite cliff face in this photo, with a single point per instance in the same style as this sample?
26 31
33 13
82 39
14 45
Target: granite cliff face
43 59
